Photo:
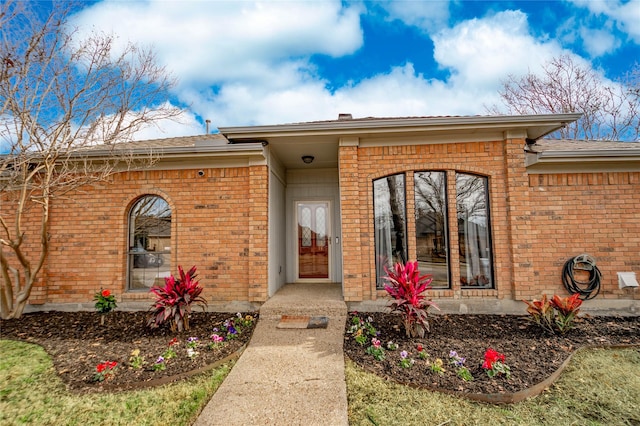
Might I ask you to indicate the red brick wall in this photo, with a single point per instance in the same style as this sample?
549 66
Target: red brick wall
594 213
213 217
220 224
360 166
538 221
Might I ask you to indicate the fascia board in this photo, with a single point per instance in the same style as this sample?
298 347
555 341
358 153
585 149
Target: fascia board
589 160
401 125
178 152
595 154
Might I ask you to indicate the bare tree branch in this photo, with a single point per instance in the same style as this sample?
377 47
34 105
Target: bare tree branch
61 98
611 111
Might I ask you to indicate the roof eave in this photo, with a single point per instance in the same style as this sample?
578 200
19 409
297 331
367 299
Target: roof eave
537 126
176 151
588 160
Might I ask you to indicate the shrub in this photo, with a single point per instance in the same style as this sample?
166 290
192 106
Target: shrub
556 315
175 299
406 286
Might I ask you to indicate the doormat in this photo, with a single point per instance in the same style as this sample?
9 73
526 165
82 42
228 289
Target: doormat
302 321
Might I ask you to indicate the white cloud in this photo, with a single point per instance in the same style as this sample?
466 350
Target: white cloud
249 63
430 16
236 62
625 14
186 125
598 42
401 92
209 42
481 51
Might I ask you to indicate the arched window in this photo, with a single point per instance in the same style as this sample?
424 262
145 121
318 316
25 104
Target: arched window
149 242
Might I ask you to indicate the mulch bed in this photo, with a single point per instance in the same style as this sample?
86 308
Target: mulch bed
531 354
77 343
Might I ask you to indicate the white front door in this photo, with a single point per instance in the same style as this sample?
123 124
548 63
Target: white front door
313 222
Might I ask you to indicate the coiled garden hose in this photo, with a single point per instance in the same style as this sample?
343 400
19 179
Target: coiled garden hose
587 289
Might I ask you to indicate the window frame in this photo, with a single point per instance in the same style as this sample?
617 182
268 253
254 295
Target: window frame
446 230
451 202
159 259
489 233
378 275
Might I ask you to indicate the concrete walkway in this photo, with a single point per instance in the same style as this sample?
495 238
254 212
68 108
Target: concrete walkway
288 376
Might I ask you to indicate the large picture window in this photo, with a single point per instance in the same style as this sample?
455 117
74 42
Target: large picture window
432 230
474 237
149 242
390 224
431 226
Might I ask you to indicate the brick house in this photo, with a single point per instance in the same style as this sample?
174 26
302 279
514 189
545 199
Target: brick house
484 204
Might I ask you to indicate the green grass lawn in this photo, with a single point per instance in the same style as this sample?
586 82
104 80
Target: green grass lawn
600 387
32 393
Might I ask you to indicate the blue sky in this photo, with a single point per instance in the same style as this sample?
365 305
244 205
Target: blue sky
273 62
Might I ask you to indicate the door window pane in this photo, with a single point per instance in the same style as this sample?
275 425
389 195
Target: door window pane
149 242
305 225
474 239
431 226
389 223
321 237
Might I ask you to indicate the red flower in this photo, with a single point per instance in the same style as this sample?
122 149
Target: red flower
106 365
106 293
173 341
491 356
419 348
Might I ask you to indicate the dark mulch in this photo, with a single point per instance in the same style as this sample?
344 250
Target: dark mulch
531 354
77 343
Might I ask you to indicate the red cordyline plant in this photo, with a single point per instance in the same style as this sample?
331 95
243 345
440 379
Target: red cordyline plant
174 300
556 315
407 287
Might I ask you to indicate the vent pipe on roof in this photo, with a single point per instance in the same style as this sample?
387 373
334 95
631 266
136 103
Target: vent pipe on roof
207 122
342 117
